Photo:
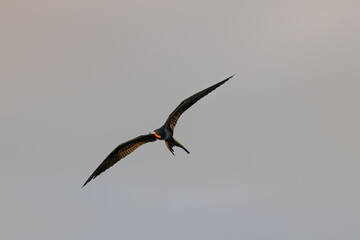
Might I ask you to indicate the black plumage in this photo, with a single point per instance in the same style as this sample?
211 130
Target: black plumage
165 132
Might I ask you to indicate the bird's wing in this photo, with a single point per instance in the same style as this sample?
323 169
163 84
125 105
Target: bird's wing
187 103
120 152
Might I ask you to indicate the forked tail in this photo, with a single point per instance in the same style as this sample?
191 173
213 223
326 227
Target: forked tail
170 144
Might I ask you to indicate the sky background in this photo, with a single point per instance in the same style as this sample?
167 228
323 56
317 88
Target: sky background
274 152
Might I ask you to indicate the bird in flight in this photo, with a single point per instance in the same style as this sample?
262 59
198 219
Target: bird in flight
165 132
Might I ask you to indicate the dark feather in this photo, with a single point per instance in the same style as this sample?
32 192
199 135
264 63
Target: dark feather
187 103
128 147
120 152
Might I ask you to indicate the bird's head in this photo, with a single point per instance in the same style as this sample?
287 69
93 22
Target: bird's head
158 133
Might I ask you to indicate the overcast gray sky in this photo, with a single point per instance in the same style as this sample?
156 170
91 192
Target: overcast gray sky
274 152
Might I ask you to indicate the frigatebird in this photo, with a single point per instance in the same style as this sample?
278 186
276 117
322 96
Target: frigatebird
165 132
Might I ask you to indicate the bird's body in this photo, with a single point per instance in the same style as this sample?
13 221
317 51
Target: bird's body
165 132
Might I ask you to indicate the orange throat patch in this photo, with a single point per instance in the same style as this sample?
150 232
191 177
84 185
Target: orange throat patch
158 136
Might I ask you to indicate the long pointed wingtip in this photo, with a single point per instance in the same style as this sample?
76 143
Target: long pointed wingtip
89 179
230 77
227 79
84 184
